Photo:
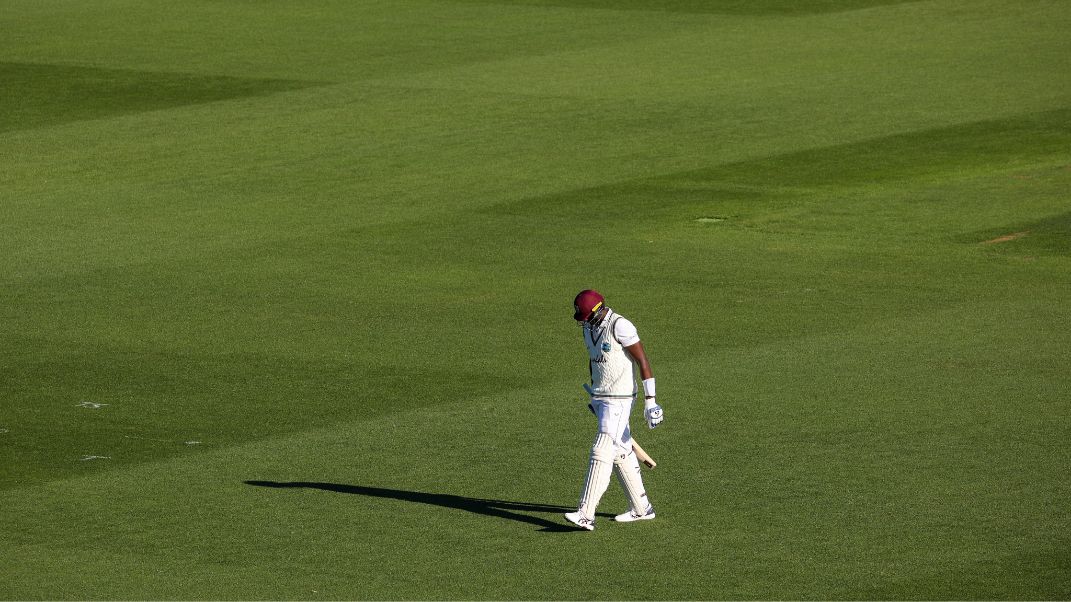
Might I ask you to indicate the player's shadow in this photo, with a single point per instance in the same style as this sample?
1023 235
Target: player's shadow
495 508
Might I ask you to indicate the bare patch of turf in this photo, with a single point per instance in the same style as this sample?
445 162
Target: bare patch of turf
1005 238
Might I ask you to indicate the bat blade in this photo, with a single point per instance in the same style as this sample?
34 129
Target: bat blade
642 455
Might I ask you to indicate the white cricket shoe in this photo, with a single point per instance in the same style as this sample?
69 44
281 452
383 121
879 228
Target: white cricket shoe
630 516
580 520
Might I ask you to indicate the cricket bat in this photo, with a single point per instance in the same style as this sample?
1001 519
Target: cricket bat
647 460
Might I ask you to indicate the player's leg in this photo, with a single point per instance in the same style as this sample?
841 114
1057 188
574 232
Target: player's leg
627 468
595 483
600 466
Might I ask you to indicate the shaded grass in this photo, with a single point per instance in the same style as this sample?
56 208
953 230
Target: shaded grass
1049 236
759 186
47 95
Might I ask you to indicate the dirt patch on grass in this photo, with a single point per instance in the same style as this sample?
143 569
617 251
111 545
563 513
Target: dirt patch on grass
1006 238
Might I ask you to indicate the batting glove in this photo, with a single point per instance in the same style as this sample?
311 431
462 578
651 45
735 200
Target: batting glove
652 412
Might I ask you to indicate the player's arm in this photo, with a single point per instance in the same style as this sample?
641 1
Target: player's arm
652 411
639 356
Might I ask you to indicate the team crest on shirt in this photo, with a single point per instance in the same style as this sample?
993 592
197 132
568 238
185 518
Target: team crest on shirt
606 347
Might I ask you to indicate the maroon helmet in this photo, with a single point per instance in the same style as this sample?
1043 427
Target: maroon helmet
587 304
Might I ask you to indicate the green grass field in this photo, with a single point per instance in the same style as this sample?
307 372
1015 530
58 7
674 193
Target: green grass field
286 297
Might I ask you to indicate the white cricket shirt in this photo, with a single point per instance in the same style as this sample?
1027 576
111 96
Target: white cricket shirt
612 371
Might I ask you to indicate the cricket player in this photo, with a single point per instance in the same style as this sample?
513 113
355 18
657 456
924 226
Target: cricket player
614 350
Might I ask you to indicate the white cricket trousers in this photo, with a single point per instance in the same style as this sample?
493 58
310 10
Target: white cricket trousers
613 417
612 449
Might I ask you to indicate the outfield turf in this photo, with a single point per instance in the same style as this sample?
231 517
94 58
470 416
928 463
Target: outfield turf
286 295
